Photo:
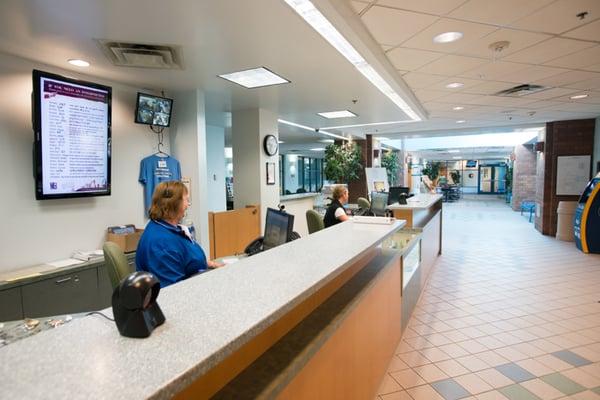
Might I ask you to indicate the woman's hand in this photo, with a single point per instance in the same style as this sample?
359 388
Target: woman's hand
214 264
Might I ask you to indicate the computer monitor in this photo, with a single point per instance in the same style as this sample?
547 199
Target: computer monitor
278 228
396 192
379 202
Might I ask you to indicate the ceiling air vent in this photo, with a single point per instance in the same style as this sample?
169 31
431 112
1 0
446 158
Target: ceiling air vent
521 90
142 55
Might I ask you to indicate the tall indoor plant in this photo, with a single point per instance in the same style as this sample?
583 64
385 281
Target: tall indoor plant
343 163
432 170
390 161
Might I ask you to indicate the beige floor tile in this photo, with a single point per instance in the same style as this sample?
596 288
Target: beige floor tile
452 368
472 363
413 358
511 354
397 364
434 354
492 358
408 378
493 395
388 385
424 392
454 350
430 373
542 389
473 383
583 378
535 367
494 378
473 346
401 395
553 362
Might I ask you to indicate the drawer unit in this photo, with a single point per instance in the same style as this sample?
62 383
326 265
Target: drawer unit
10 304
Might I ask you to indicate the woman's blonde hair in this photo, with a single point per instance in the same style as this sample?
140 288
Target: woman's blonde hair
167 199
338 192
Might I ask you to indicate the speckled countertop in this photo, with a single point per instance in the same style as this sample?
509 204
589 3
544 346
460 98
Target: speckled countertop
419 201
208 318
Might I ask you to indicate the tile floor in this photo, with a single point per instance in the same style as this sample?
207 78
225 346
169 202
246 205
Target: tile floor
507 314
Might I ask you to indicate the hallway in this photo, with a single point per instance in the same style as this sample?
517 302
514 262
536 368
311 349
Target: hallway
507 314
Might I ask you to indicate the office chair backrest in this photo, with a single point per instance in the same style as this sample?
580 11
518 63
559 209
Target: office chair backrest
314 221
363 203
116 263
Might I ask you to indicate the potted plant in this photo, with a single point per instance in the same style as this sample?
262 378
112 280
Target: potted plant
455 175
389 161
432 170
342 162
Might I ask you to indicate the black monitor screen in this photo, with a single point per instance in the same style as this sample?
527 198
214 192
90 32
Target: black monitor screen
153 110
379 202
396 192
278 227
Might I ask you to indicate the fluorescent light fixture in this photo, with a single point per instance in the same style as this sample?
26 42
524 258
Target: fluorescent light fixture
337 114
318 149
458 108
78 63
319 23
327 141
456 157
455 85
280 141
371 124
254 78
579 96
461 121
447 37
454 151
308 128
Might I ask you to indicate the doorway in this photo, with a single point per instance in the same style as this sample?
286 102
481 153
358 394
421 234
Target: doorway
492 179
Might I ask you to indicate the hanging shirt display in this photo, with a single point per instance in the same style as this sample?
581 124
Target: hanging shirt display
154 170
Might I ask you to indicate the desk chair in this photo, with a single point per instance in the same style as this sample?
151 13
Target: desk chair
116 263
363 203
314 221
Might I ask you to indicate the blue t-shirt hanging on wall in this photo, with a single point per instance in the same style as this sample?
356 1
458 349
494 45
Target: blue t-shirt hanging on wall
154 170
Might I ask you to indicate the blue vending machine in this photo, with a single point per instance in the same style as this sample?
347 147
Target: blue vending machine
586 224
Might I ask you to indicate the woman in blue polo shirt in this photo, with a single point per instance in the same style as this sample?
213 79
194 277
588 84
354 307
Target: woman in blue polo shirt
166 248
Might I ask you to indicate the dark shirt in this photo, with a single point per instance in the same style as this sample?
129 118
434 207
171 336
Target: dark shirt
330 218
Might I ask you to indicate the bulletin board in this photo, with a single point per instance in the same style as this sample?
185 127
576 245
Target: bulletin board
572 174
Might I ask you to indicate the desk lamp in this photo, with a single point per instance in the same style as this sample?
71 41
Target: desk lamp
134 305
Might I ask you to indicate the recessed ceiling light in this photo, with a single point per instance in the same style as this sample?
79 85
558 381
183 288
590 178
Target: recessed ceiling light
458 108
254 78
454 151
337 114
457 157
579 96
307 10
78 63
327 141
447 37
461 121
318 149
455 85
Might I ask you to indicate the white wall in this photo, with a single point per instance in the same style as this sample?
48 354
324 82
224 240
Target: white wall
215 157
35 231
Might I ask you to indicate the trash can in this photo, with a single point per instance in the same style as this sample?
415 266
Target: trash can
564 226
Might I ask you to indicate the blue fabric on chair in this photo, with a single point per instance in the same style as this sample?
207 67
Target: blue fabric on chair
528 205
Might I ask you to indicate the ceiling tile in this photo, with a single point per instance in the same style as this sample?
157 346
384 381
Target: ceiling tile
552 93
567 79
427 95
506 101
451 65
392 27
575 106
518 40
559 16
590 31
417 80
411 59
595 68
489 87
548 50
544 104
532 72
436 106
472 32
462 98
358 6
579 60
494 70
497 12
593 83
467 83
437 7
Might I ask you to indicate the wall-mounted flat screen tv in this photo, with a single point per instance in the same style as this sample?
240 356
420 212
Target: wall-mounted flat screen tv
471 163
153 110
72 139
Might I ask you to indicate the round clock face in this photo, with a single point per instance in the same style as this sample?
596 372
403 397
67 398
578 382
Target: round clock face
271 145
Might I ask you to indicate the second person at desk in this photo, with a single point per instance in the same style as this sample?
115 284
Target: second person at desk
166 248
335 212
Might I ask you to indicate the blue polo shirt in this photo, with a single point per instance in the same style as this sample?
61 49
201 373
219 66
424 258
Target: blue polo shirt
168 253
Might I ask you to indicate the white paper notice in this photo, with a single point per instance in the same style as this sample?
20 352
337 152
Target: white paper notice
572 174
64 263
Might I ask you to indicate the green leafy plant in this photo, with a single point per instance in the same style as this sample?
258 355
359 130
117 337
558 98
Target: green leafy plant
455 175
509 179
432 170
343 163
390 162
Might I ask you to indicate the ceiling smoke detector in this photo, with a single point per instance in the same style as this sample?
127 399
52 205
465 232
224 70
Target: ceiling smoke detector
142 55
521 90
497 47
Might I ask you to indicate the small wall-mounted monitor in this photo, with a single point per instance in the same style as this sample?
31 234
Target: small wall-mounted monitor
72 141
278 228
471 164
153 110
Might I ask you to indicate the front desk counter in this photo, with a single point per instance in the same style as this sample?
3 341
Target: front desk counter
264 327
